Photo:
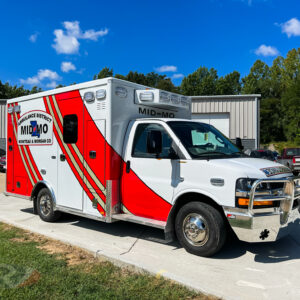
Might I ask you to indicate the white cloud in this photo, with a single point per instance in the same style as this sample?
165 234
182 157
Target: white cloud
66 41
178 75
33 37
93 35
166 68
46 73
67 66
266 50
43 74
52 84
30 80
291 27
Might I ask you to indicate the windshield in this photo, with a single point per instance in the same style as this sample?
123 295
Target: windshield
203 140
293 151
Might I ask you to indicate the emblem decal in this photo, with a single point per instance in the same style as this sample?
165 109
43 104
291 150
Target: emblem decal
272 171
35 128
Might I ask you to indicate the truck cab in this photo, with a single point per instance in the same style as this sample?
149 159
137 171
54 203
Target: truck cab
206 183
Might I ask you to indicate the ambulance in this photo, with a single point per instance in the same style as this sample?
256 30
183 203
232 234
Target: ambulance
113 150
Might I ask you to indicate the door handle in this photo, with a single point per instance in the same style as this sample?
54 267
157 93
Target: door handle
128 166
62 157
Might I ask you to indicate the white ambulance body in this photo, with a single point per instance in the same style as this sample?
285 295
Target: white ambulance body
113 150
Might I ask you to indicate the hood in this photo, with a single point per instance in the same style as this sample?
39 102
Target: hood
254 167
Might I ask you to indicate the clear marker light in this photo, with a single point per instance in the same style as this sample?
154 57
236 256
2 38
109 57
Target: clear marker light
185 101
164 97
100 94
89 96
175 99
121 92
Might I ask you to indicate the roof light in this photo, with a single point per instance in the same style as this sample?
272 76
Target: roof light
100 94
164 97
147 96
175 99
121 92
89 97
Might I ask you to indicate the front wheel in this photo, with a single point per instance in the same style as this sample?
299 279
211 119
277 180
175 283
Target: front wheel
45 206
200 229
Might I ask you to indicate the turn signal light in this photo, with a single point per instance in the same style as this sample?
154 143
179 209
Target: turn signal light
245 202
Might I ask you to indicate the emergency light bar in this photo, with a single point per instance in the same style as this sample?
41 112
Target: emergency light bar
157 97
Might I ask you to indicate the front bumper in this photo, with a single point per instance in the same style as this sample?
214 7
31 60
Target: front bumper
262 225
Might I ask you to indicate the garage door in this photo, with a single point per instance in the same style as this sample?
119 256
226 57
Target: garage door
220 121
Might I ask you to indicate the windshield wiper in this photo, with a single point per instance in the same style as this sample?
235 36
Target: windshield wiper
212 152
217 152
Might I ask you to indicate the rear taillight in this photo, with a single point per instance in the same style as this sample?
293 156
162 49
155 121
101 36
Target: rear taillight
294 160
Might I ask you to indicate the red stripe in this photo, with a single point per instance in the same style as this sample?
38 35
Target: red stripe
16 171
23 152
30 156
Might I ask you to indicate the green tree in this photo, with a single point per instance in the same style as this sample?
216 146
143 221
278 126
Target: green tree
291 68
291 112
105 72
8 91
230 84
200 82
258 80
271 120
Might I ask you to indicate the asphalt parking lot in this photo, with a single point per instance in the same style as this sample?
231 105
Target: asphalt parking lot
239 271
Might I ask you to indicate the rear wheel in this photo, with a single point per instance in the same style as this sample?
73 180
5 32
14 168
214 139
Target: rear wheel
200 229
45 206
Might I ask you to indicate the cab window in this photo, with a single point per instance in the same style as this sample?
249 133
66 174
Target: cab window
139 148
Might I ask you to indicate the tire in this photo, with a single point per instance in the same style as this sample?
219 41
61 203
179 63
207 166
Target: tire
45 206
200 229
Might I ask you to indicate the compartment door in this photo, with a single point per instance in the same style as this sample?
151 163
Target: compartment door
94 168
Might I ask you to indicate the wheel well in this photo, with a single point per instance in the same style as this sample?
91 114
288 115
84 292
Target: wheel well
34 194
181 201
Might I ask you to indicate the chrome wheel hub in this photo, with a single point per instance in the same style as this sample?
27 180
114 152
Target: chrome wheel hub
45 205
195 229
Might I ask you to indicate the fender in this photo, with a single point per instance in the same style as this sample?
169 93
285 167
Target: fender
36 188
196 191
169 228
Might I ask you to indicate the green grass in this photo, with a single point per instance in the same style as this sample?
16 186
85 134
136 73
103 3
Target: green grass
27 272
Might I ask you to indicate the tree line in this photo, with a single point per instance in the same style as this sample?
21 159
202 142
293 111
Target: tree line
278 84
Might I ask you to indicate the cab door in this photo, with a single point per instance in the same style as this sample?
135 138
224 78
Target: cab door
148 179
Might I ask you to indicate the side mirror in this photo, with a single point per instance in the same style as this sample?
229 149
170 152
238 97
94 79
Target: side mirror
173 154
154 142
238 143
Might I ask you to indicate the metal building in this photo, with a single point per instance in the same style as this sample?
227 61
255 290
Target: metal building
236 116
2 124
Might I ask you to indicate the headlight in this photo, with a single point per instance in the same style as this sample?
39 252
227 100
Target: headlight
243 188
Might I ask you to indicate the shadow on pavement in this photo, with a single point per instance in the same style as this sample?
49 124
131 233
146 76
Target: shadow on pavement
287 248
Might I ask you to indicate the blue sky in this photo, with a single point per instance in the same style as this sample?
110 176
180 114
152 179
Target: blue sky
45 43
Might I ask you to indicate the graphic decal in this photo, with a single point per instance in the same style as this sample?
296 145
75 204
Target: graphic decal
35 128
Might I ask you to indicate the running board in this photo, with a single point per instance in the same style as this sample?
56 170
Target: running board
140 220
